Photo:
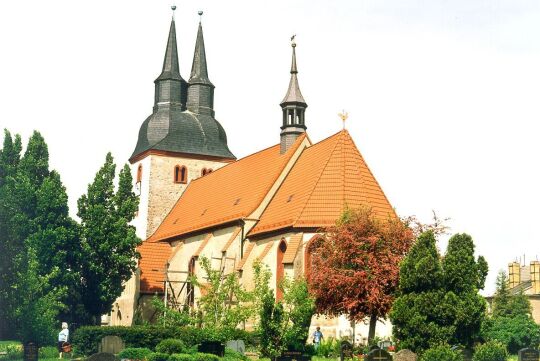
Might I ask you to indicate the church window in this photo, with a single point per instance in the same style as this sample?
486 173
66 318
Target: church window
308 261
280 268
139 173
180 174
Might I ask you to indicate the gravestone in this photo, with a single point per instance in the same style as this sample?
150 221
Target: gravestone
236 345
213 347
30 350
528 354
405 355
378 355
345 350
111 344
102 356
292 355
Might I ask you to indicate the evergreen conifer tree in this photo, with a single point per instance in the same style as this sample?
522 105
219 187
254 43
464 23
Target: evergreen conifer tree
108 240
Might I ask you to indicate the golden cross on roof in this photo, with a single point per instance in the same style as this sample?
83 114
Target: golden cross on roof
343 115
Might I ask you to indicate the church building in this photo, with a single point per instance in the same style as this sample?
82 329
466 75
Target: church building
197 200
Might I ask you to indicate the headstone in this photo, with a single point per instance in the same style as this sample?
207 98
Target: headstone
213 347
30 351
345 350
102 356
292 355
111 344
405 355
378 355
236 345
528 354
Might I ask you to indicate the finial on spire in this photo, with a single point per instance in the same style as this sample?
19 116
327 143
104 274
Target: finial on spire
173 8
343 115
293 43
200 12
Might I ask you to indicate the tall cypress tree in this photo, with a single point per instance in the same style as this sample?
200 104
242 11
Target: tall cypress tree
108 240
10 156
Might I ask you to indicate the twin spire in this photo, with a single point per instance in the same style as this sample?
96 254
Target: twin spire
172 90
197 95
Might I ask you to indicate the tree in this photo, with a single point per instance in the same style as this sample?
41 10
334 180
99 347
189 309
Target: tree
438 300
10 247
511 321
224 303
285 323
464 277
108 240
355 268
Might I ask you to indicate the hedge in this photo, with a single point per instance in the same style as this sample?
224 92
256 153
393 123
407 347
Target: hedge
87 338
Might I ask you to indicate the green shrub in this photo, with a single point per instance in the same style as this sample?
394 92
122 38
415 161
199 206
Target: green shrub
14 352
181 357
201 356
170 346
232 355
158 356
514 332
135 353
490 351
86 338
328 348
441 353
48 352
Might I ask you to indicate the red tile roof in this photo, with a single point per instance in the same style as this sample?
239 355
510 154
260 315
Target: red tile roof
153 262
229 193
327 177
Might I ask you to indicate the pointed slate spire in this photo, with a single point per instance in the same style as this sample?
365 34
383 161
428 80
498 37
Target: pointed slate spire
170 86
200 89
293 106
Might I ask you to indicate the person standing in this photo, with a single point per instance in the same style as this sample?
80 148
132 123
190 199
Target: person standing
317 337
63 337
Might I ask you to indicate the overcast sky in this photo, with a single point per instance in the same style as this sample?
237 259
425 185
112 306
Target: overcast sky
443 96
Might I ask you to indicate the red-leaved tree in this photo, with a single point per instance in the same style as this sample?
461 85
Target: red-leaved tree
355 266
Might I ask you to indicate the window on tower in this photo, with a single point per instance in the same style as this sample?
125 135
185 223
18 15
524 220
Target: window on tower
180 174
139 173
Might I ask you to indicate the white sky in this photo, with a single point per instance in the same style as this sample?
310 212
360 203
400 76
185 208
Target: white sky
443 96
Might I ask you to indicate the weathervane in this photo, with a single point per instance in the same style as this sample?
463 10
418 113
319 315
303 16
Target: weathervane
200 15
343 115
293 43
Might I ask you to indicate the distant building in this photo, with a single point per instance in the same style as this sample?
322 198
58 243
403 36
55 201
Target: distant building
526 279
197 199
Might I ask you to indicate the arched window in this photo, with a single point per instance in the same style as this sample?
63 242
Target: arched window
180 174
311 245
190 289
280 268
139 173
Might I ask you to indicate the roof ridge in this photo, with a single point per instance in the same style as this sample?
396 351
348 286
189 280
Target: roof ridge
319 178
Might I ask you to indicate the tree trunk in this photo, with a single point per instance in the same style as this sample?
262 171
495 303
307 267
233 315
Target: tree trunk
372 324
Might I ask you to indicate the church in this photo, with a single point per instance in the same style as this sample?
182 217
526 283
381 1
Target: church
198 200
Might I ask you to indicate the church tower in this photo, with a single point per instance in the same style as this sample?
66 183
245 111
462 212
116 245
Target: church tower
180 141
293 107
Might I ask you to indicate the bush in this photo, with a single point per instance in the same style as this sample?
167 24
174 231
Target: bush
232 355
48 352
170 346
135 353
181 357
514 332
87 338
13 352
328 348
490 351
441 353
201 356
158 356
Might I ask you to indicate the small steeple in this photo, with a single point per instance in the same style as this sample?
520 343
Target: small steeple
171 89
293 106
200 99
